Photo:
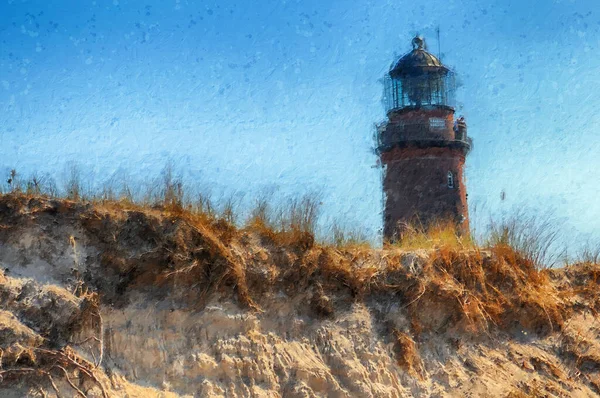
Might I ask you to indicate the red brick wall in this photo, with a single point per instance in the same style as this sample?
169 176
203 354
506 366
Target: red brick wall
416 187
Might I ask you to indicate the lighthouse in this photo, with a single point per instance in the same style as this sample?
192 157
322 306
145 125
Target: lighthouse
422 146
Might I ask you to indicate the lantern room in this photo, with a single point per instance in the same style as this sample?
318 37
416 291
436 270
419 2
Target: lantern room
419 79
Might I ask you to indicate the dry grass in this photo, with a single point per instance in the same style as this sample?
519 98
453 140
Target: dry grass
535 236
346 237
499 290
502 286
471 291
291 223
477 290
286 221
589 253
73 186
436 235
292 220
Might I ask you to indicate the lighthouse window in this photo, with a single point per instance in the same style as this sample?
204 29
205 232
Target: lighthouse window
450 180
437 123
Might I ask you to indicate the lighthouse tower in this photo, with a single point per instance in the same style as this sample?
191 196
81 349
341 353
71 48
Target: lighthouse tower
422 147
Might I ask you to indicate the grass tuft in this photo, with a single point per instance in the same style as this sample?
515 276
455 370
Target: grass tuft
534 236
436 235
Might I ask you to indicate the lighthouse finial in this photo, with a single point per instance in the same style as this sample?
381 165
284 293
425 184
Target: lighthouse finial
418 42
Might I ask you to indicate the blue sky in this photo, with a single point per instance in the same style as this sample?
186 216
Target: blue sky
282 96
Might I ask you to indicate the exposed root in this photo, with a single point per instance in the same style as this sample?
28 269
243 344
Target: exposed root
69 381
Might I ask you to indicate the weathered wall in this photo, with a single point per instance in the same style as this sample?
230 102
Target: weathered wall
416 186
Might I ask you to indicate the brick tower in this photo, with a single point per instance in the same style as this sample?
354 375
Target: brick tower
422 147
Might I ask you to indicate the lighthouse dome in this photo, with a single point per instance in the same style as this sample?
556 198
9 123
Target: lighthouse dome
417 61
418 79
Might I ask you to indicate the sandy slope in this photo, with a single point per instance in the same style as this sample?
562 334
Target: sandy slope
190 308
